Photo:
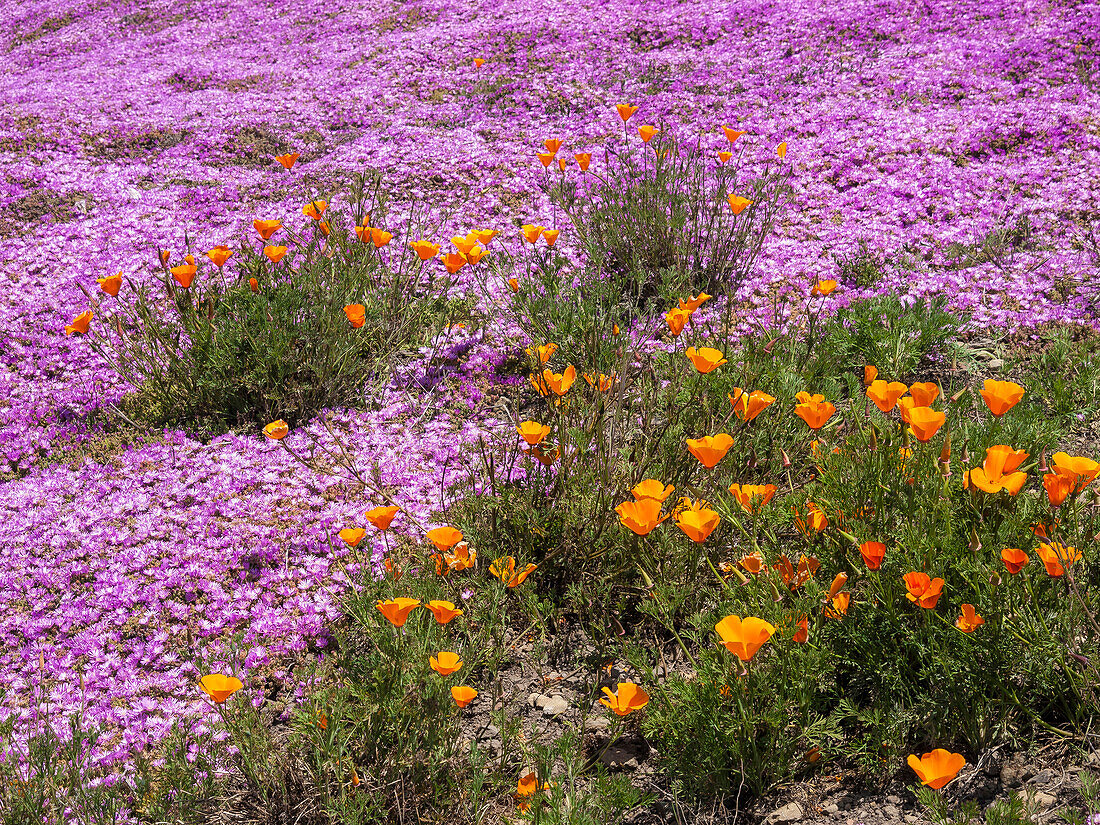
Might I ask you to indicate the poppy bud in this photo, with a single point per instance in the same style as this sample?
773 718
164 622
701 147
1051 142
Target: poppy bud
874 438
1043 468
838 582
786 459
994 579
975 543
775 592
945 453
750 462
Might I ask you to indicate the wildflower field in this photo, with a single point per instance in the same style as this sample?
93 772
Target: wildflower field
572 413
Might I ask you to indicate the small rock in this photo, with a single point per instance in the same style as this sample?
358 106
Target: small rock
831 808
1043 800
893 800
620 758
1042 778
533 699
891 812
791 812
554 705
1094 758
490 732
912 818
596 724
995 363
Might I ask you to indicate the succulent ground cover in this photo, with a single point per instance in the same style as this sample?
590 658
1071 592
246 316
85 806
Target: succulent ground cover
944 151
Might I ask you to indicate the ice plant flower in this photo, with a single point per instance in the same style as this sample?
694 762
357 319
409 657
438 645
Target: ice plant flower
111 284
1055 556
315 209
922 590
743 637
738 203
1082 470
752 497
748 405
647 132
1015 559
626 111
397 610
352 535
814 409
924 394
357 315
274 253
710 449
640 516
219 255
551 236
381 517
676 318
969 621
445 663
886 395
463 695
583 159
80 323
184 274
732 134
276 429
996 473
442 610
531 232
266 228
1001 396
698 522
425 250
873 552
925 422
220 687
937 768
288 160
651 488
705 359
533 432
626 698
693 303
445 537
559 383
504 568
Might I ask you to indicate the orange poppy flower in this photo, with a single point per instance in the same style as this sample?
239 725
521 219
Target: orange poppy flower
531 232
748 405
583 159
1056 555
80 323
815 519
839 580
626 698
504 568
640 516
924 394
485 236
315 209
814 409
352 535
752 497
543 353
1058 485
676 318
559 383
601 382
445 663
461 557
870 373
274 253
357 315
445 537
969 621
397 610
925 422
111 284
475 255
513 284
1082 470
165 254
381 517
253 285
425 250
219 255
380 237
276 429
886 395
463 695
752 562
1015 559
937 768
533 432
710 449
738 203
1001 396
922 590
545 158
824 288
647 132
723 157
288 160
698 522
743 637
551 236
220 687
464 245
625 111
478 63
324 227
267 228
184 274
552 145
693 303
997 472
873 553
651 488
803 634
705 359
794 578
442 610
454 261
781 150
732 134
838 606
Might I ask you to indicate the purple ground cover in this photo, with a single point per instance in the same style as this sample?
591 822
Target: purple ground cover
125 125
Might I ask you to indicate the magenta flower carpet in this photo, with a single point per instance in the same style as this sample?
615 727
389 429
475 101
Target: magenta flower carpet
131 127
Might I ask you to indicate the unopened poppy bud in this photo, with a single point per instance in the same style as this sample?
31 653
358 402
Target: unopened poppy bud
750 462
775 592
1043 468
945 453
786 459
838 583
874 438
975 543
995 579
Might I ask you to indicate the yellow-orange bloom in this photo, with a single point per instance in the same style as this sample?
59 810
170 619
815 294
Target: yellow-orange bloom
924 394
1082 470
266 228
710 449
738 204
545 158
1055 556
752 497
698 522
969 621
253 285
288 160
380 237
219 255
315 209
552 145
274 253
111 284
676 318
886 395
1014 558
352 535
454 261
445 663
583 160
80 323
381 517
647 132
746 405
559 383
705 359
463 695
626 698
641 515
814 409
442 610
484 236
693 303
743 637
276 429
513 284
870 373
184 274
1001 396
732 134
925 422
504 568
425 250
997 472
531 232
357 315
824 288
873 553
781 150
922 590
815 519
220 687
544 352
533 432
937 768
478 63
551 236
397 610
651 488
1058 485
445 537
723 157
625 111
752 562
